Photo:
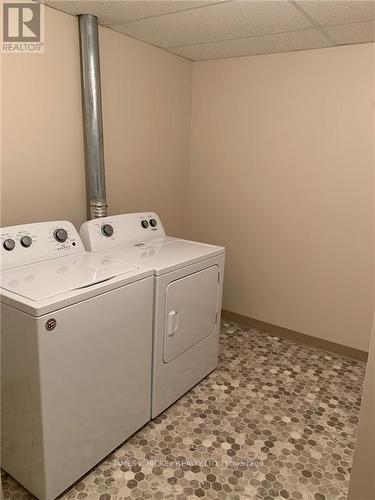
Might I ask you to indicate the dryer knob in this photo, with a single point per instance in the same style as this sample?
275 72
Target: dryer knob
26 241
107 230
153 223
145 224
9 244
60 235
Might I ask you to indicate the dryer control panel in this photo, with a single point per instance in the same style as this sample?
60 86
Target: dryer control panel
107 232
29 243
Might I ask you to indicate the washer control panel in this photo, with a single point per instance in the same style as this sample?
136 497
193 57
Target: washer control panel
106 232
29 243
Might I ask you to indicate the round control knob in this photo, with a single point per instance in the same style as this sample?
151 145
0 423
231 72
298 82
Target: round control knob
144 224
107 230
9 244
60 235
153 223
26 241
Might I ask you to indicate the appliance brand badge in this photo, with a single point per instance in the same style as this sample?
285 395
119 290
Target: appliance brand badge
23 27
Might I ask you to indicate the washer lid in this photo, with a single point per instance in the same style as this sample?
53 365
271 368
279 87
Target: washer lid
54 277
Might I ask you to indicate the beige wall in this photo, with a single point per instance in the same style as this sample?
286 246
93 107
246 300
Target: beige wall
146 114
42 152
281 174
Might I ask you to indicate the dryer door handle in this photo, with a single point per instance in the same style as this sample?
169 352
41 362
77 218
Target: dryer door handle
173 322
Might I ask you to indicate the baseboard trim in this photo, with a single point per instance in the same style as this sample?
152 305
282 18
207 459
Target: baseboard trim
302 338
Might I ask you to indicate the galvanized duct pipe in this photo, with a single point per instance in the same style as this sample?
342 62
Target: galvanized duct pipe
92 116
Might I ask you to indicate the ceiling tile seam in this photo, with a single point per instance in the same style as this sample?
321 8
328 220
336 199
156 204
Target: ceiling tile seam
241 38
288 51
222 2
350 22
312 21
171 47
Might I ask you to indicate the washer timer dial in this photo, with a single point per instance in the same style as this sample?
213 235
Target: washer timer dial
60 235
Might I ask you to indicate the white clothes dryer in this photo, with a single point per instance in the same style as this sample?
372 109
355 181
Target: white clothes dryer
188 282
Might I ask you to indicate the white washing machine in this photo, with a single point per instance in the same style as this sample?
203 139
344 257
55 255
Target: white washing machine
76 355
188 282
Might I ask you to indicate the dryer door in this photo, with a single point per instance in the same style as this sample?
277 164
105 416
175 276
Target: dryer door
191 311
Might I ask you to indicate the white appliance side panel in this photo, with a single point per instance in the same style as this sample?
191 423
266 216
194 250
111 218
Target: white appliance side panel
21 424
95 382
172 380
191 311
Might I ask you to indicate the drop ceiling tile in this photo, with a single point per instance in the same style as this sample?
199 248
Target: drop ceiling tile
328 12
353 32
217 22
266 44
121 11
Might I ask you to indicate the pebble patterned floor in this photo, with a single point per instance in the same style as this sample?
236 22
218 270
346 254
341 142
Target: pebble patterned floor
276 420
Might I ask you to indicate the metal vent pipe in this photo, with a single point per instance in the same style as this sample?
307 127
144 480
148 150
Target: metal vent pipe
92 116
